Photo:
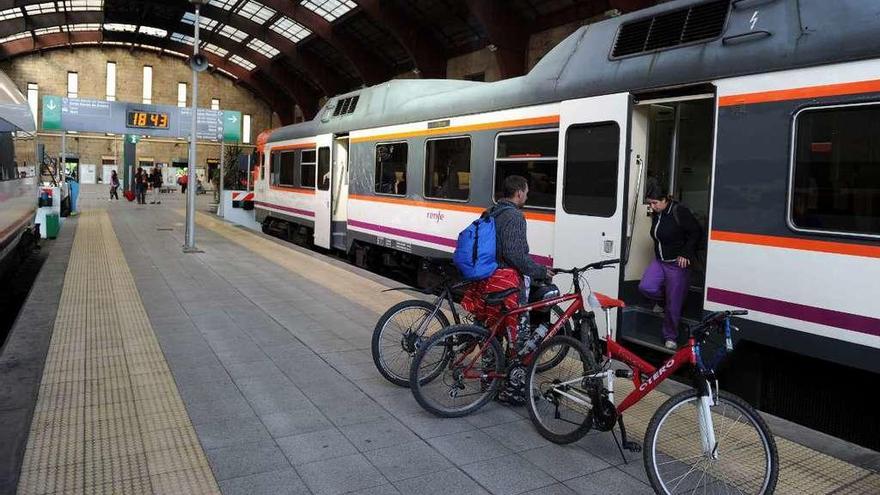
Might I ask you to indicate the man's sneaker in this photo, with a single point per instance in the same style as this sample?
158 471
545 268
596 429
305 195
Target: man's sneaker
512 396
671 345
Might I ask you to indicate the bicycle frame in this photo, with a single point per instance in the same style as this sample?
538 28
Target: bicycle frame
577 305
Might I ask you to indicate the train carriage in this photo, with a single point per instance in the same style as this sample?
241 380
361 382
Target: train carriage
760 115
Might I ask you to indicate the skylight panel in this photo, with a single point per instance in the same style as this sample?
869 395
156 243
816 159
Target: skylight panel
216 50
224 4
151 31
290 29
235 59
231 32
329 9
204 22
82 5
83 27
13 13
256 12
263 48
122 28
182 38
17 36
40 8
47 30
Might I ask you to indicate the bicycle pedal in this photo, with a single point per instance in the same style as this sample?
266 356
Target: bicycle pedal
632 446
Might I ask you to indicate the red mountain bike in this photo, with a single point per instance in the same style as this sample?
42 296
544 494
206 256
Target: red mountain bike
701 440
461 368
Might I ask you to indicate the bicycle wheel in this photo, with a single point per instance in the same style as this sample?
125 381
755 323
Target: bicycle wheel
560 398
745 459
398 335
459 387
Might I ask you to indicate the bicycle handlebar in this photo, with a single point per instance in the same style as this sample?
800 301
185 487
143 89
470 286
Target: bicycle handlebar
598 265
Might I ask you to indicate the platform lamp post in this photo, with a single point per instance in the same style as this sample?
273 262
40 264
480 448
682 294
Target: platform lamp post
199 63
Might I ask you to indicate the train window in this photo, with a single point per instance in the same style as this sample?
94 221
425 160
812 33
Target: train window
532 155
307 169
261 165
274 163
448 168
836 172
324 168
589 185
391 168
286 162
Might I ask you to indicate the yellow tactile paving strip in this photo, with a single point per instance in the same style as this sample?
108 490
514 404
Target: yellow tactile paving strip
109 418
803 470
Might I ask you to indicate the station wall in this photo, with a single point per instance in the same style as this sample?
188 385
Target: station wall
49 71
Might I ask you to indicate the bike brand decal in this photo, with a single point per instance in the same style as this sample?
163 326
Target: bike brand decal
657 374
436 216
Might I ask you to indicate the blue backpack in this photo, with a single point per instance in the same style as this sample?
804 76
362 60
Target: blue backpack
475 253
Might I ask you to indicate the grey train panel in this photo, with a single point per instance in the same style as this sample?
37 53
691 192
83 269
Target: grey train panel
261 214
803 33
403 247
753 158
825 348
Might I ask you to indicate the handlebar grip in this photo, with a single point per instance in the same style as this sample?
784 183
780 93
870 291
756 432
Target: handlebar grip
738 312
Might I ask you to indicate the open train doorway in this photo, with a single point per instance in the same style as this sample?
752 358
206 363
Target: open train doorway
672 147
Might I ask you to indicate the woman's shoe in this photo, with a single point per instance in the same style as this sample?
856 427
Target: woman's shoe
671 345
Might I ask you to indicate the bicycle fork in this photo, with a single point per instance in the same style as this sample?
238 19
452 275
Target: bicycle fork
704 416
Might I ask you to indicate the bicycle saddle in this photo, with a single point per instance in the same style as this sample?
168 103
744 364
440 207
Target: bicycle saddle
497 298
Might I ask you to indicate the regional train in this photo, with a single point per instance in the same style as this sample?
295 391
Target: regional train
17 194
762 116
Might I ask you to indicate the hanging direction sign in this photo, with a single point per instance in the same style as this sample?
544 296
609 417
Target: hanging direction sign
118 117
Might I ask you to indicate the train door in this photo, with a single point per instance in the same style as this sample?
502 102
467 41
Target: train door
591 207
672 148
323 180
339 193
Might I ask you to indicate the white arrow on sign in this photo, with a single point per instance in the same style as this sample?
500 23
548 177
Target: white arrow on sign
51 105
233 119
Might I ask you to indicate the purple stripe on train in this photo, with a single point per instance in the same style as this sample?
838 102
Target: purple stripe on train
304 213
839 319
433 239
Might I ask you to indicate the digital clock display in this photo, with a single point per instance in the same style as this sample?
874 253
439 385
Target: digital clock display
147 120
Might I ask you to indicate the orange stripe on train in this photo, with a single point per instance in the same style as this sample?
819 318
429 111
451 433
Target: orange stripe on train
801 93
550 119
797 243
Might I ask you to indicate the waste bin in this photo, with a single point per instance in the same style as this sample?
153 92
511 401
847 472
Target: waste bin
53 225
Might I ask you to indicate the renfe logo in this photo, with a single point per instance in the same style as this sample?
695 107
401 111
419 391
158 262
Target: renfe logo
436 216
657 374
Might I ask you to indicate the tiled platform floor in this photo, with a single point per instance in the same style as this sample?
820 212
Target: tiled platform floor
269 350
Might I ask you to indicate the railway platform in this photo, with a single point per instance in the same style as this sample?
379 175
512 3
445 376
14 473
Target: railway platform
135 368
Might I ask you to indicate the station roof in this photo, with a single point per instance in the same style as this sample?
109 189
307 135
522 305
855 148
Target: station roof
296 51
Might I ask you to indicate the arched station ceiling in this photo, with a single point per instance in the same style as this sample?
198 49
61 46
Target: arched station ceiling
296 51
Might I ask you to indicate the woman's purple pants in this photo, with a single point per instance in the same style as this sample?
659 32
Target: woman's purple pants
666 283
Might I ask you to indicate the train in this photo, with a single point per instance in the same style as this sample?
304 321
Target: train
17 194
762 116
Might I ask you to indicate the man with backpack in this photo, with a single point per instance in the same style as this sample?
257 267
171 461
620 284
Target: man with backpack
495 251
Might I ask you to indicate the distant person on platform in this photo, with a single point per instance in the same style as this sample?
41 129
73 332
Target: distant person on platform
676 235
114 186
183 180
140 184
156 182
